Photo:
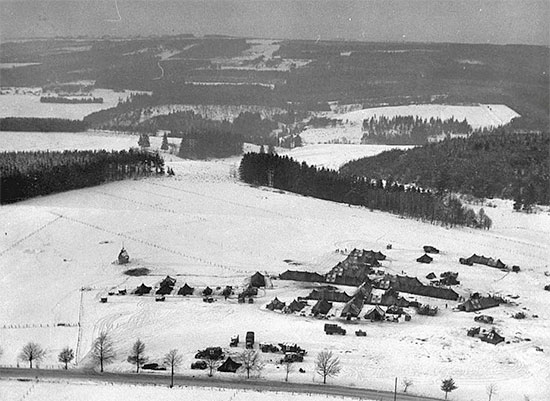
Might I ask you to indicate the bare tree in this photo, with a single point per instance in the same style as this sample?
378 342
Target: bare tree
173 360
137 357
327 365
289 367
103 350
406 384
448 385
491 390
66 356
212 364
252 362
32 352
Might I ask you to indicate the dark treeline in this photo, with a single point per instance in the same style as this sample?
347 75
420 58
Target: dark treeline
251 126
25 175
321 122
409 130
210 143
505 165
286 174
42 124
134 102
70 100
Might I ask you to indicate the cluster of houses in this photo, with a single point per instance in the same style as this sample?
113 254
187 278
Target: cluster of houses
378 295
167 287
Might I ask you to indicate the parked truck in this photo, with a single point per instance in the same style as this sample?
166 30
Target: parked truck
249 339
331 329
234 341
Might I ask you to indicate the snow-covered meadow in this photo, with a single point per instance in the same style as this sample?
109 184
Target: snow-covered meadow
26 105
59 141
203 227
350 131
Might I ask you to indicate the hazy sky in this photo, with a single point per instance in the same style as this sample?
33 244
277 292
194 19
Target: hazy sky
468 21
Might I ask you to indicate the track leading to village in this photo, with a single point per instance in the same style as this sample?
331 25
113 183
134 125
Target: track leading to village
204 381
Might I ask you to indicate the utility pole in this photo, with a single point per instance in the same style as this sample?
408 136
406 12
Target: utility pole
395 390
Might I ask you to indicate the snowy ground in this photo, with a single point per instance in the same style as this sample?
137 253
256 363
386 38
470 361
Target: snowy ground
205 228
51 391
15 105
478 116
333 156
20 141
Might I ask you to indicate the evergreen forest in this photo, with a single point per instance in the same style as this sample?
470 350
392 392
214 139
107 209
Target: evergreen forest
25 175
410 130
284 173
504 165
31 124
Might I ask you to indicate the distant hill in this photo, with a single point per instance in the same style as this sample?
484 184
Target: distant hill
292 74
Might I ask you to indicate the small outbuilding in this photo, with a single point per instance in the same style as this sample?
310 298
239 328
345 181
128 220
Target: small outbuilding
186 290
275 304
123 257
424 259
143 289
376 314
229 366
166 290
257 280
297 306
322 307
466 261
168 281
491 337
431 276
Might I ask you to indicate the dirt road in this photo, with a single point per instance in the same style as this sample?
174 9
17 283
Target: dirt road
205 381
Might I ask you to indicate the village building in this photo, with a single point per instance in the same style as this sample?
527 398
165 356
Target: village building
328 294
425 259
186 290
296 306
476 303
257 280
275 305
229 366
322 307
376 314
142 289
295 275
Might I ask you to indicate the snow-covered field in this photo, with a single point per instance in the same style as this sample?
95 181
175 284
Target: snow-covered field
333 156
205 228
52 391
478 116
21 141
16 105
